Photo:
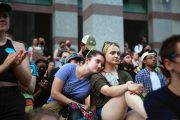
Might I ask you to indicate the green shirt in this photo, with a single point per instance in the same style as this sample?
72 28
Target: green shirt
98 81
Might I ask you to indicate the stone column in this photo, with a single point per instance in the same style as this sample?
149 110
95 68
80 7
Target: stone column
65 22
164 16
104 20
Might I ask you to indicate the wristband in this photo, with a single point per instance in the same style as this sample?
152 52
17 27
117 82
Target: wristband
128 85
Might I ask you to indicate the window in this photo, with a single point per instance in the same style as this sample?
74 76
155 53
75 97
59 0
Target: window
135 6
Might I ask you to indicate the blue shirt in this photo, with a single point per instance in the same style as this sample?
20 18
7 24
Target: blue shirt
73 87
143 77
33 69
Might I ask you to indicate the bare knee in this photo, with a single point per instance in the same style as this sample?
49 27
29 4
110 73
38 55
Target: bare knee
114 109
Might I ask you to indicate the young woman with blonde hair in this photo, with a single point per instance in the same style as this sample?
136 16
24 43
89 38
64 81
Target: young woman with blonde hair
114 90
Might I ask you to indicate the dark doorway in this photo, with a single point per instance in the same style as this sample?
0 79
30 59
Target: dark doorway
43 28
134 30
26 25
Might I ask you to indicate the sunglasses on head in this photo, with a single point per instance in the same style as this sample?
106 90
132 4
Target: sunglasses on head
107 44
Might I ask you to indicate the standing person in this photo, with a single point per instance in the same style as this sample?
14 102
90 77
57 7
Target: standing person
35 49
72 81
164 104
14 69
149 76
111 89
42 45
139 47
68 47
58 51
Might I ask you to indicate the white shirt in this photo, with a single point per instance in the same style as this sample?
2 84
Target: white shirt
156 84
138 48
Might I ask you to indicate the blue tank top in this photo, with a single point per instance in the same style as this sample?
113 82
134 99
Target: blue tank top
5 50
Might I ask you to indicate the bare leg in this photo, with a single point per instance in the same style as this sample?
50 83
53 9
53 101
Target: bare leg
132 115
135 102
115 109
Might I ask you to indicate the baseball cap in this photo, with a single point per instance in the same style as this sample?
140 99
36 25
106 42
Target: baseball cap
146 54
89 41
73 56
6 6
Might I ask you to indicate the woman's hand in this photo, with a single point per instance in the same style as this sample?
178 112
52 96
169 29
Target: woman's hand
135 88
45 86
86 107
10 59
20 57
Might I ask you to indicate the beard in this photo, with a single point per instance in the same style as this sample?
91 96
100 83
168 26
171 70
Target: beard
84 53
155 66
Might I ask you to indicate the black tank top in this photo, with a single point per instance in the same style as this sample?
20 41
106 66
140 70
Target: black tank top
9 75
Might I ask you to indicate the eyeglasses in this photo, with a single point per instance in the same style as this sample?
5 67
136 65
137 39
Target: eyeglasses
173 56
4 15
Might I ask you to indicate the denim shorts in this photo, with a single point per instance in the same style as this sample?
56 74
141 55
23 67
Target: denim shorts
98 112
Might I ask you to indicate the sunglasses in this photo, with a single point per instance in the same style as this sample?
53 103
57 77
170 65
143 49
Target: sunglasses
107 44
173 56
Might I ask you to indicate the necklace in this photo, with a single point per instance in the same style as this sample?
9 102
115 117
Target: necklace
111 78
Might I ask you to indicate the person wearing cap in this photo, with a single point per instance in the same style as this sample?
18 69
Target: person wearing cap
149 76
88 42
164 104
74 58
14 70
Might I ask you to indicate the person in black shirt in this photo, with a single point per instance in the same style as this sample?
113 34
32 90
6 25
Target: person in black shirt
164 104
14 70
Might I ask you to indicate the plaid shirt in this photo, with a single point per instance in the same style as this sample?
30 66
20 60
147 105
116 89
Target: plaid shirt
143 77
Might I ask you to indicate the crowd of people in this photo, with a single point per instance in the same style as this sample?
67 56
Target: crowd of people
137 84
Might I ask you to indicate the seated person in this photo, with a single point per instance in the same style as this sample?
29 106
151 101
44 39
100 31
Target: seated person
72 82
164 103
112 89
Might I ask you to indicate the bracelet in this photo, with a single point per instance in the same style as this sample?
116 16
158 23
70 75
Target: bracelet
128 86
